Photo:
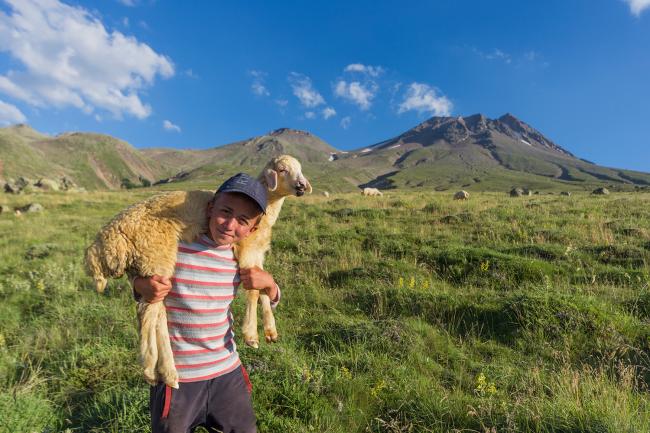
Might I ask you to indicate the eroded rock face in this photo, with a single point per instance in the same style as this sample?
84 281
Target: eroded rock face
461 195
26 185
32 207
48 184
11 188
600 191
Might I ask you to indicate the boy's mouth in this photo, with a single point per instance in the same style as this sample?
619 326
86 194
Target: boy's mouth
224 234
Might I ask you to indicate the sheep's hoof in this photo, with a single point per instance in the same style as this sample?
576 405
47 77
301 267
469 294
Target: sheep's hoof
170 378
149 376
271 336
253 343
173 384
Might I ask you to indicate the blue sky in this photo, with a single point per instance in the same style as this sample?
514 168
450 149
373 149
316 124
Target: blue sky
202 74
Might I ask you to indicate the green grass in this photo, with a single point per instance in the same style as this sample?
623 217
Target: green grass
405 313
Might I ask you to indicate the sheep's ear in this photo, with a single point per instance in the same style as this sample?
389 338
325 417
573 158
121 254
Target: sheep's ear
307 186
271 177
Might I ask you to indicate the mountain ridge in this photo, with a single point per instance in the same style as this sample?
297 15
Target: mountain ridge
440 152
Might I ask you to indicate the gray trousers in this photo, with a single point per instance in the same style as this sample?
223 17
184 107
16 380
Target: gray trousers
221 404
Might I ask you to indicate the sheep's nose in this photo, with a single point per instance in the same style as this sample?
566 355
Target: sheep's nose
300 189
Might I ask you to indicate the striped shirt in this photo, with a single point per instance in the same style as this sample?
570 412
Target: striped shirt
199 314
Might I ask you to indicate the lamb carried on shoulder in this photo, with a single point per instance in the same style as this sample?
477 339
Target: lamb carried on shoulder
143 240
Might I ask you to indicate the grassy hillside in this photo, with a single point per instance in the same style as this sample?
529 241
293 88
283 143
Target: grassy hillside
405 313
94 161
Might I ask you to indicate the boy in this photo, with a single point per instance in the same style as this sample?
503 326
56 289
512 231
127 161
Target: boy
214 390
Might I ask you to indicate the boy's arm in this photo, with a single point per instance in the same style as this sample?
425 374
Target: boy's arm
258 279
149 289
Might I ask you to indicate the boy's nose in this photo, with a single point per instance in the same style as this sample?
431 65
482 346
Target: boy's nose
230 223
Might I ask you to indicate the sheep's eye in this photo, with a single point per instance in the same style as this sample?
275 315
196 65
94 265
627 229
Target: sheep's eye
282 170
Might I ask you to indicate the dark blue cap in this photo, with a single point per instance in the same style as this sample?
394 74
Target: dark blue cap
247 185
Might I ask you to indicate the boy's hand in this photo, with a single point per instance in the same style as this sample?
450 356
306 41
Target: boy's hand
152 289
258 279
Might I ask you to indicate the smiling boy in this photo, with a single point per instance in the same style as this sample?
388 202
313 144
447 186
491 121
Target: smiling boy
214 390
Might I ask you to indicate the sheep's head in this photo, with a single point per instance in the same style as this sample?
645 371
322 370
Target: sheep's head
283 175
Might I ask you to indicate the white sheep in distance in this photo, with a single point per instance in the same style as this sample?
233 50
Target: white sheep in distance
143 240
370 192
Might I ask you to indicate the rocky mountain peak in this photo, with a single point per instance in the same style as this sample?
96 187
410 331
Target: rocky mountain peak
476 122
282 131
519 130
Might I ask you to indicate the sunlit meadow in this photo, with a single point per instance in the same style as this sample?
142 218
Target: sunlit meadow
409 312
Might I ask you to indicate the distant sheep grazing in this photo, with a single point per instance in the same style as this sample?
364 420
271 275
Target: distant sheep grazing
370 192
143 240
461 195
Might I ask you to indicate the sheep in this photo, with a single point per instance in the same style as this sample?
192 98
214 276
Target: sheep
143 240
371 192
461 195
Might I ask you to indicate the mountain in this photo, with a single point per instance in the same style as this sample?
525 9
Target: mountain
94 161
445 152
206 166
472 152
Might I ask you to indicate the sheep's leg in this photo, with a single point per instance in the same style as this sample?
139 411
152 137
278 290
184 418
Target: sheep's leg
270 333
148 317
249 327
166 368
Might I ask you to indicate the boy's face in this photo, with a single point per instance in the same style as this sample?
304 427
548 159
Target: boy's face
232 217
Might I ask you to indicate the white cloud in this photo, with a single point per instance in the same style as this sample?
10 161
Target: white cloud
495 54
258 87
498 54
169 126
424 99
310 115
356 92
373 71
345 122
10 114
638 6
304 91
130 3
328 112
71 59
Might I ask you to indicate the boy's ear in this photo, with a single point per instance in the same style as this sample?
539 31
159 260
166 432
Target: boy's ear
271 177
208 209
